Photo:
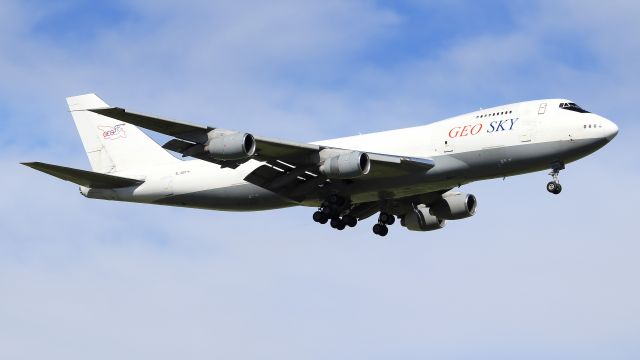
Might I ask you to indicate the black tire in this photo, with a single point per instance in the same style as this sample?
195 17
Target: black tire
391 220
558 189
380 229
323 218
351 221
338 224
382 217
551 186
317 216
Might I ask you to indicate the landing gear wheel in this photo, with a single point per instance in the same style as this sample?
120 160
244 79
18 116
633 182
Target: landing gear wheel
320 217
386 218
338 224
554 187
380 229
350 220
558 189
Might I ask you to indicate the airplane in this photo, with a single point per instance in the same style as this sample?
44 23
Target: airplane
409 174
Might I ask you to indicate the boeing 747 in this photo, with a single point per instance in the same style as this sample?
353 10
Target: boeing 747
407 174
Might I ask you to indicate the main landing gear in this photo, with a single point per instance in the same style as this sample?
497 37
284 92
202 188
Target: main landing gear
330 211
335 211
383 220
554 186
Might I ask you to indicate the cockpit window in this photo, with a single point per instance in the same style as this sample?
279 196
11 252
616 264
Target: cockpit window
572 107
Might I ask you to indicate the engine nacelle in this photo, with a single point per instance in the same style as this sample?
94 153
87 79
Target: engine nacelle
454 206
421 220
346 166
230 145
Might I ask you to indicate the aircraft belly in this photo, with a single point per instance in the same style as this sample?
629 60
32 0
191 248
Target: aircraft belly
241 197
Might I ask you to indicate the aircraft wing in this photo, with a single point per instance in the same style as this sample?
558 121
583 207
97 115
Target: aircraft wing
83 177
187 135
290 169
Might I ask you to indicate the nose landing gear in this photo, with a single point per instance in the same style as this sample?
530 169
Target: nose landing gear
554 186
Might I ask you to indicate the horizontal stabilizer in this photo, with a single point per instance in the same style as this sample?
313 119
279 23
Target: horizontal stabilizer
84 178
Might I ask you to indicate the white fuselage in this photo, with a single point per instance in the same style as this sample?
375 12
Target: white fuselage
496 142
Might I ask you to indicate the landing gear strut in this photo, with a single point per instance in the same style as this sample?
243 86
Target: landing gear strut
383 220
554 186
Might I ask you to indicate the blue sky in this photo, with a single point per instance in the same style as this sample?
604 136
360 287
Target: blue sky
530 276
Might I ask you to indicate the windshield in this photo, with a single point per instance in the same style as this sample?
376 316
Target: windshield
572 107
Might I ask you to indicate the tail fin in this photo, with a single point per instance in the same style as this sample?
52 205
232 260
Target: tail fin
112 145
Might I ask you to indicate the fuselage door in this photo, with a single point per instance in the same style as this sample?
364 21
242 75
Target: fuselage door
448 146
527 129
167 185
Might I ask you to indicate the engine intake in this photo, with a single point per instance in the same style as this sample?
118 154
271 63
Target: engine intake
346 166
455 206
421 220
230 145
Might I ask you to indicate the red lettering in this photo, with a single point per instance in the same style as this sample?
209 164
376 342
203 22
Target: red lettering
466 130
476 129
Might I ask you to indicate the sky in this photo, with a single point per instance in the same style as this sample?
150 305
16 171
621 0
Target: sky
530 276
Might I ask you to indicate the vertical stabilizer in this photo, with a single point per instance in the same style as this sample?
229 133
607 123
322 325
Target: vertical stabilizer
112 145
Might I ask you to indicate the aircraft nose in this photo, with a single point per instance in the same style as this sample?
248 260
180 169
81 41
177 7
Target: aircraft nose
610 129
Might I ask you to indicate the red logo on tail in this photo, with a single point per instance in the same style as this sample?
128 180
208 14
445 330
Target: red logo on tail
113 132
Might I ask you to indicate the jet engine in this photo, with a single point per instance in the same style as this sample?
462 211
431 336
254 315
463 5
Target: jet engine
346 166
230 145
454 206
420 220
